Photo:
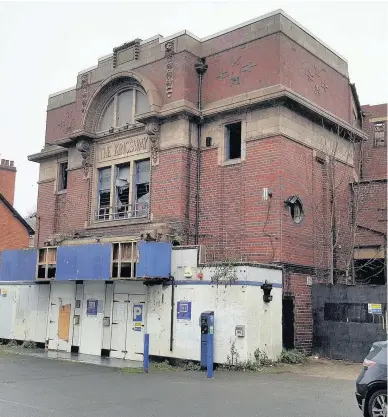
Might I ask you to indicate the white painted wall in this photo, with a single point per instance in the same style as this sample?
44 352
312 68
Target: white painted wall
232 305
24 311
91 326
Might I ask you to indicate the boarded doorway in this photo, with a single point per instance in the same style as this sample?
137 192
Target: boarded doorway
64 322
288 323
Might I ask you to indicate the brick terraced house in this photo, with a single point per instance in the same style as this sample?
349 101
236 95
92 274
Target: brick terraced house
238 145
15 232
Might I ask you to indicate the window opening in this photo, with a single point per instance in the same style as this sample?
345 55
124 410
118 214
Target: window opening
62 180
379 130
124 260
142 188
104 184
296 208
233 141
122 191
47 263
122 108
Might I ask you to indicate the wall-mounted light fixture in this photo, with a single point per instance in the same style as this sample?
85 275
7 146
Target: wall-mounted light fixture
267 288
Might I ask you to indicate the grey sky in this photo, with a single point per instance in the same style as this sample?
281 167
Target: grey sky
44 45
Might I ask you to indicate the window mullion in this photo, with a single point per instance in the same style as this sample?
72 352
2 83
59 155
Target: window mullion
131 190
132 261
112 192
134 105
119 262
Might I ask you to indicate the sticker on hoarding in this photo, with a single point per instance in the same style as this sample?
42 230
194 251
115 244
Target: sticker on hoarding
211 330
375 309
137 327
91 307
4 293
183 310
121 309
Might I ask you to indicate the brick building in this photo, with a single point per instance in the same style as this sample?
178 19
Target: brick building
229 142
15 232
369 199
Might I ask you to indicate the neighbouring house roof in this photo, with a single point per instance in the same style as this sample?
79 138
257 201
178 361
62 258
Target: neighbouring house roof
9 206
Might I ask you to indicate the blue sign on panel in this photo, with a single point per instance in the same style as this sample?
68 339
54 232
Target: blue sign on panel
138 312
91 307
183 310
84 262
18 265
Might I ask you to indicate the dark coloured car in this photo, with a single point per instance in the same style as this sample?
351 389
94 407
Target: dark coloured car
371 384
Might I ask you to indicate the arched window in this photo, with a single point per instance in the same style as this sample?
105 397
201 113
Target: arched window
122 108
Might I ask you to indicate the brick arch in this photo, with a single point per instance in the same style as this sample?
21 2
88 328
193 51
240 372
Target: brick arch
113 84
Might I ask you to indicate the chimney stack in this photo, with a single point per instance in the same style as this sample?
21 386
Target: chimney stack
7 179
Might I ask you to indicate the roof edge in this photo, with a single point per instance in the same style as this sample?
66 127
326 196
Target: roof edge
16 214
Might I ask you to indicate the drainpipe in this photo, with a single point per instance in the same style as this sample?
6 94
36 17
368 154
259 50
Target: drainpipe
172 312
188 189
201 68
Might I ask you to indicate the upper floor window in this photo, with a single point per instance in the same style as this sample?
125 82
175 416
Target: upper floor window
233 141
62 176
379 133
128 195
122 108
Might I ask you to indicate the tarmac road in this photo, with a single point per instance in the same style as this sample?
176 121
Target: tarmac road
34 387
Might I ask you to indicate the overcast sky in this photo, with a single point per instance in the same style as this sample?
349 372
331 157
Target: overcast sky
44 45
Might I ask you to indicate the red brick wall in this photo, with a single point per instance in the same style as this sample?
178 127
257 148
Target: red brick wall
370 211
263 53
308 76
13 234
45 222
296 284
7 183
374 159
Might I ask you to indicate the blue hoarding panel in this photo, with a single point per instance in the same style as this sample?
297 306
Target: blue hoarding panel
18 265
84 262
154 260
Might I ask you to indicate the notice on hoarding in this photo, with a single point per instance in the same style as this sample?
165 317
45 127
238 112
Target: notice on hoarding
375 309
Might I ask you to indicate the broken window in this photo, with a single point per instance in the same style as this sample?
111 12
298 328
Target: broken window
379 132
142 188
122 191
62 177
47 263
104 184
296 208
124 260
233 141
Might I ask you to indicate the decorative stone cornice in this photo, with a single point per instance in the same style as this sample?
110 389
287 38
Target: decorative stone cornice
47 152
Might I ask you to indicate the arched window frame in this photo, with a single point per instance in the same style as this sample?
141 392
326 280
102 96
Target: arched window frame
115 96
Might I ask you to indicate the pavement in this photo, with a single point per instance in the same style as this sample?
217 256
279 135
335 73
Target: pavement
37 387
73 357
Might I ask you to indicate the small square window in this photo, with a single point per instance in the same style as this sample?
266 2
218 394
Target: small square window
233 141
62 180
